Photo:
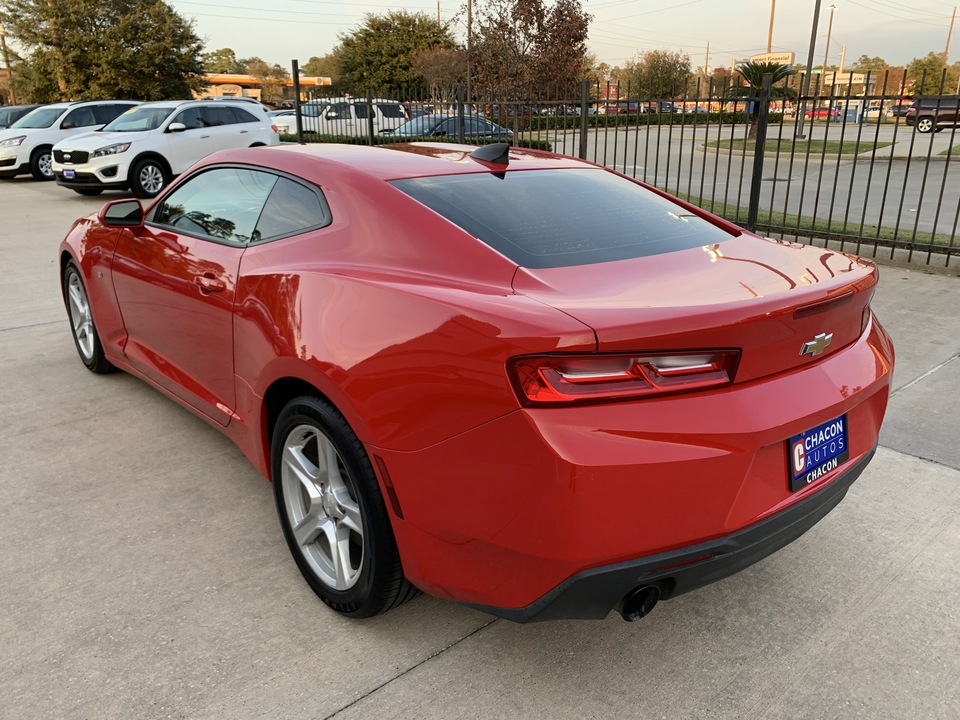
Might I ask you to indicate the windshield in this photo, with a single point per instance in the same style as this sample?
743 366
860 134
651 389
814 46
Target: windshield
39 118
138 119
558 218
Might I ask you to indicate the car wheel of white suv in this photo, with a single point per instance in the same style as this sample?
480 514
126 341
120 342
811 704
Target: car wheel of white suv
148 177
41 163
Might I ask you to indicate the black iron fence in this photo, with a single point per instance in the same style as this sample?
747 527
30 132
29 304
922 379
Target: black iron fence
836 166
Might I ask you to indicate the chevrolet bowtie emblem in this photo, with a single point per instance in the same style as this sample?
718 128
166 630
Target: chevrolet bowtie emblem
817 345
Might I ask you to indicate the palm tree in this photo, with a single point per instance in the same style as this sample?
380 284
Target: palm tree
752 74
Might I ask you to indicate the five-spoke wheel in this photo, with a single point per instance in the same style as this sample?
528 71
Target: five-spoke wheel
332 512
81 321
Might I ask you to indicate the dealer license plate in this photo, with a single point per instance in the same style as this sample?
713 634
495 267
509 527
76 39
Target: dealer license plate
69 174
817 451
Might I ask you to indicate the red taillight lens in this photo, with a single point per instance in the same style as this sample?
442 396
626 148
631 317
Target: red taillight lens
275 129
560 379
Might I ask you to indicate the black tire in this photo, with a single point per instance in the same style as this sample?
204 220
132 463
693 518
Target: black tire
148 177
41 163
310 428
88 192
85 336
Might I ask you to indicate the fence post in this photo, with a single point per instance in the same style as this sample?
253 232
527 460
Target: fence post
461 133
584 97
370 136
296 100
753 208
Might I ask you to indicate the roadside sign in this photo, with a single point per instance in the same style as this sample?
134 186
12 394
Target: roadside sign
784 58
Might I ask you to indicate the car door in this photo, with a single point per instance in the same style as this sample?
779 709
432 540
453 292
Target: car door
185 147
222 126
176 281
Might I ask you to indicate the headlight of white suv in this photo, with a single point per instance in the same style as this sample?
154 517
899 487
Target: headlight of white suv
111 149
12 142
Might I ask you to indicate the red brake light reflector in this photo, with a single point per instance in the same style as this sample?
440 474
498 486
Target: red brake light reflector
559 379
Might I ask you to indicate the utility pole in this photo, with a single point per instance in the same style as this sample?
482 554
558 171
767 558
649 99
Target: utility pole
826 52
438 12
773 9
843 55
946 52
805 90
706 62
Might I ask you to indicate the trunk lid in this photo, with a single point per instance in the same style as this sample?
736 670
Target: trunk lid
768 298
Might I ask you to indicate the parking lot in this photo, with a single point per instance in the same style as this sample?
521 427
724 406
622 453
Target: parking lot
143 573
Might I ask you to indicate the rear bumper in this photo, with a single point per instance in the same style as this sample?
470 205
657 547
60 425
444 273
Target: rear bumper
593 593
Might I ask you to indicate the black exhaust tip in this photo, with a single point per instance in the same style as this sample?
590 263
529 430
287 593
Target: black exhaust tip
639 602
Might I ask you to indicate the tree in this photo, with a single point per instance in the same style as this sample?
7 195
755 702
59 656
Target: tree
928 76
659 74
377 56
327 66
82 49
270 78
443 69
529 48
223 60
753 74
866 63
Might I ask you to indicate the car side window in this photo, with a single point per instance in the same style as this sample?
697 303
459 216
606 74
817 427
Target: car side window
360 109
340 111
242 116
292 208
109 113
80 117
221 204
216 116
448 127
191 117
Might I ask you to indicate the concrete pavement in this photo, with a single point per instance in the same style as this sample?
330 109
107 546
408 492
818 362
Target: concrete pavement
143 573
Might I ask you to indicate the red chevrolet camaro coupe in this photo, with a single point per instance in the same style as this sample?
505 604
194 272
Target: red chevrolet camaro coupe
505 377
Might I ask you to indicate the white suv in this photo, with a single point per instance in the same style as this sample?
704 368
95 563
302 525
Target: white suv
25 146
148 146
349 116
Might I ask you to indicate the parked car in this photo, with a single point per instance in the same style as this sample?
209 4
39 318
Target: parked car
248 101
285 121
27 145
898 110
505 377
348 116
150 144
623 107
9 114
444 126
821 112
933 113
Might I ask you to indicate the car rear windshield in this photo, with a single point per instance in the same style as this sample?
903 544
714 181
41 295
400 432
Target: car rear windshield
39 118
139 119
559 218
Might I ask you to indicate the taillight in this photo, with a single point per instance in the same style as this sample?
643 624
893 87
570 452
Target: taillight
565 379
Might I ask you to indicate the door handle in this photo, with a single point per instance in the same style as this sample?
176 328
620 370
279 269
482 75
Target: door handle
204 136
244 132
210 283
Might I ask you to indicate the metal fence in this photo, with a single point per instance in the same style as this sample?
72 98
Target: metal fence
828 167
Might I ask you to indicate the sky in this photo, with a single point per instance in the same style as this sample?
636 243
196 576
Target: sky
895 30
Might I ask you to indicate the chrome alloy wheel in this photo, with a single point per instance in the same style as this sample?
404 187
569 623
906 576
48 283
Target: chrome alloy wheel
320 500
80 317
151 178
45 164
924 125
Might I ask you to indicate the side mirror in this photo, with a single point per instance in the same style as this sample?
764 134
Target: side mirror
122 213
176 127
67 125
331 115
